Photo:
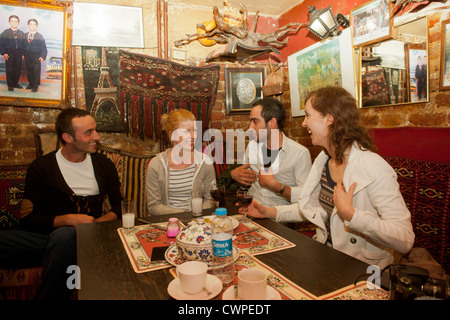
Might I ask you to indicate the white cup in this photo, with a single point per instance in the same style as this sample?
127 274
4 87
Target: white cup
196 205
128 214
192 276
252 284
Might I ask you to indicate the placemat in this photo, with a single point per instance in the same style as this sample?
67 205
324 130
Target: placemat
288 290
259 241
139 243
361 291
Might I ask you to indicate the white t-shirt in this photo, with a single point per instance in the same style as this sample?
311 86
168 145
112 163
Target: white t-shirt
79 176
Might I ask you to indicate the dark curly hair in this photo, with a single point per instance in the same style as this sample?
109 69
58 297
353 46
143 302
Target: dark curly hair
346 127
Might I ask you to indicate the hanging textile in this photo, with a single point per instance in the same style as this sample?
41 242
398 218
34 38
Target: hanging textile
150 87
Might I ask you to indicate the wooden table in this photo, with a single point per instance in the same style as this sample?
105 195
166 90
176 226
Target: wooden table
106 272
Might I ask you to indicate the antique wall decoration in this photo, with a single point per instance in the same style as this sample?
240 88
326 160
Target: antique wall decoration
243 86
241 42
370 22
37 77
101 86
150 87
324 63
107 25
444 82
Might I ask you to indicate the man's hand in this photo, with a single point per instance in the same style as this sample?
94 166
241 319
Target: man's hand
243 175
267 179
6 56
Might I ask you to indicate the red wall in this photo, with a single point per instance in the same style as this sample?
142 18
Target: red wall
299 13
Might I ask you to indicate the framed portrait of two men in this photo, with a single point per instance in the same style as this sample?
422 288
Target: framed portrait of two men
34 51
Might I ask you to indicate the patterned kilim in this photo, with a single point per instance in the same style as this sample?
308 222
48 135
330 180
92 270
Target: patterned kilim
12 186
131 169
374 88
426 190
150 87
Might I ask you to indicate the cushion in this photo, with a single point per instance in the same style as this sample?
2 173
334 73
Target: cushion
426 190
19 284
12 187
132 171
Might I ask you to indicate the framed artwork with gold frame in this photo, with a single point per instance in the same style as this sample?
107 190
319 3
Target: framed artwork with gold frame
444 81
35 53
371 22
243 87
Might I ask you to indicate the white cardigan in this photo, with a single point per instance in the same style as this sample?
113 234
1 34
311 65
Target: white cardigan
381 223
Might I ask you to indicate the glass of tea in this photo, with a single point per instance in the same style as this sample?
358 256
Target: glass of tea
244 199
217 192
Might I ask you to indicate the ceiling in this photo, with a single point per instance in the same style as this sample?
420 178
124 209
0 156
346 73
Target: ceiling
265 7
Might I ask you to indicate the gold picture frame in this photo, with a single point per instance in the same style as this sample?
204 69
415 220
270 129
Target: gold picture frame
51 89
444 80
371 22
243 87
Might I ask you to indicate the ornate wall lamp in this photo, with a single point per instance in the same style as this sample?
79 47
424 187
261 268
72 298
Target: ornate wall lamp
324 24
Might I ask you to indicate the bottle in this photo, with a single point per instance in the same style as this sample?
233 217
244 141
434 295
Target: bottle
222 243
172 228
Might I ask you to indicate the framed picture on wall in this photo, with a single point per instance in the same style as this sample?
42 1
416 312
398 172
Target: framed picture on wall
417 73
243 86
370 22
34 49
326 63
444 82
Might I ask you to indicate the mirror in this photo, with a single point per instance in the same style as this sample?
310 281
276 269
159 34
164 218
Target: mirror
395 71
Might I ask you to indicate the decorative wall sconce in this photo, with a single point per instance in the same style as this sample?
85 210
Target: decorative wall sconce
324 24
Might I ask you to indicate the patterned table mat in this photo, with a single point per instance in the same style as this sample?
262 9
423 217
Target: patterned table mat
259 241
140 241
287 289
363 290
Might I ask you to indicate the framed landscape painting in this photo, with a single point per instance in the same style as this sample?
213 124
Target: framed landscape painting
325 63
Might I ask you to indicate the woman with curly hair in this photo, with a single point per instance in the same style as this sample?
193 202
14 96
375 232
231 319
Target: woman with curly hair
351 193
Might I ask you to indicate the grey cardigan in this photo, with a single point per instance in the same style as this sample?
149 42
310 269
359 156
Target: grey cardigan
157 183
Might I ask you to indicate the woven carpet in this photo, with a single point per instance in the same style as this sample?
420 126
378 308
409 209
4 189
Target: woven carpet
150 87
12 186
374 88
426 190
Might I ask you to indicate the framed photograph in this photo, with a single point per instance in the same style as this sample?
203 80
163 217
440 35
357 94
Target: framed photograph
370 22
444 83
322 64
417 73
243 86
34 53
103 25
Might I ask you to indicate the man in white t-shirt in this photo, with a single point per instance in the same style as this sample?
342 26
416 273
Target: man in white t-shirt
64 188
275 166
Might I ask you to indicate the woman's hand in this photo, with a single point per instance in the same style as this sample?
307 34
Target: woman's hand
343 200
257 210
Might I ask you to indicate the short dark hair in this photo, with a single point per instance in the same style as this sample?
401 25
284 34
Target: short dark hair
272 108
13 16
33 20
64 121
